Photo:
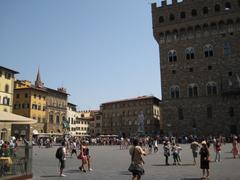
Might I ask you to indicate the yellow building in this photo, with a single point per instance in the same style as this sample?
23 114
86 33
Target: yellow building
30 101
6 97
47 106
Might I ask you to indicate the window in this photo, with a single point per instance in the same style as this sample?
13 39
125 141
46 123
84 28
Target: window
172 56
17 96
161 19
205 10
173 71
226 49
6 101
26 95
211 88
180 114
161 38
194 12
57 120
190 69
230 73
174 92
209 68
209 111
192 90
227 6
6 88
208 50
50 118
190 53
182 15
7 75
217 8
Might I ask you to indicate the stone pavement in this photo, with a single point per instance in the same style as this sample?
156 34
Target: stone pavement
111 163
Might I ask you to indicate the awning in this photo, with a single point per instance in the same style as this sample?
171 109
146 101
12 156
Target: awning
10 118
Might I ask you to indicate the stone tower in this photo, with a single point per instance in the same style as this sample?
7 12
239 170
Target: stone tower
199 44
38 82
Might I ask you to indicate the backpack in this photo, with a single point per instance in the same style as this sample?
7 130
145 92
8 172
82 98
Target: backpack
59 153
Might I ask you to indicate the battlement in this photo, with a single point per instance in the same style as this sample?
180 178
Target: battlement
164 3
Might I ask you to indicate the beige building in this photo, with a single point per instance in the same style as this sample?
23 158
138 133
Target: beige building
6 97
199 44
48 106
130 117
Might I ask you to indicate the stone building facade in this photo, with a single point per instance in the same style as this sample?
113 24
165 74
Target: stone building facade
199 44
48 106
131 117
7 78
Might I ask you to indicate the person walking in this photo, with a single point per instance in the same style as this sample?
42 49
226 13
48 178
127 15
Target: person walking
204 159
137 162
235 150
217 151
62 159
166 151
194 147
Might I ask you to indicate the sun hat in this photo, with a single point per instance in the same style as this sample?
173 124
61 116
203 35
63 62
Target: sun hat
204 142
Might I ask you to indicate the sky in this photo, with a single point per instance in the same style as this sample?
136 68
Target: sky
99 50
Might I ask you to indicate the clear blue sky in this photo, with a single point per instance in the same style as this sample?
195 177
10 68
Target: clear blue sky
100 50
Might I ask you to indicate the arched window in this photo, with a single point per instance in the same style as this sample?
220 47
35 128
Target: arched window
175 35
172 56
192 90
198 31
194 12
57 120
175 92
217 8
182 34
168 36
205 30
208 50
51 118
222 27
6 101
162 38
230 26
213 28
227 6
190 53
6 88
211 88
161 19
205 10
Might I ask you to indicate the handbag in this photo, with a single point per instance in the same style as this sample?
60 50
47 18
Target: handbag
135 168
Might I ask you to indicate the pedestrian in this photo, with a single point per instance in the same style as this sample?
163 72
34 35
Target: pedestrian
155 145
204 159
194 146
217 151
235 149
166 151
137 162
83 159
62 159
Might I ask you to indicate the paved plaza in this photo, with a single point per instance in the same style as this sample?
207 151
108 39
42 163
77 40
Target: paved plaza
111 163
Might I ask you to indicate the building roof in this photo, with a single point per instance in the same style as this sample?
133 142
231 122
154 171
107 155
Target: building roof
7 69
132 99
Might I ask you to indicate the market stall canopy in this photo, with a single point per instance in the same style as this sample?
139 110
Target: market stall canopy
10 118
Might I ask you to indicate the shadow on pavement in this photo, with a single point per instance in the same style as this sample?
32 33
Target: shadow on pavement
49 176
73 171
125 173
172 165
191 179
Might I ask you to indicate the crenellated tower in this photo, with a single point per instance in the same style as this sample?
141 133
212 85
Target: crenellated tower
199 44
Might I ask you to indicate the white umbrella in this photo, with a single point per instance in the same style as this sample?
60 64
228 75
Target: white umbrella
10 118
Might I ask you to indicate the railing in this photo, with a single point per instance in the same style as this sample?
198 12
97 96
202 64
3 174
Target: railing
16 162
